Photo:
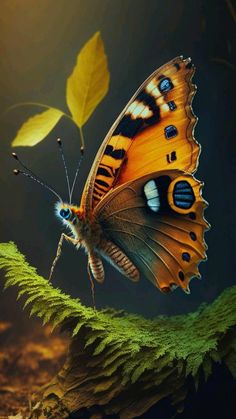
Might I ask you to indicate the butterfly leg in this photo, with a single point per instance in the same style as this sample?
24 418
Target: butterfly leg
59 247
95 270
92 285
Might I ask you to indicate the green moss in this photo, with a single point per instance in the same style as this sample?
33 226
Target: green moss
129 347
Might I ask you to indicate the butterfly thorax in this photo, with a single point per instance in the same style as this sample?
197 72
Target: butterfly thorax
84 228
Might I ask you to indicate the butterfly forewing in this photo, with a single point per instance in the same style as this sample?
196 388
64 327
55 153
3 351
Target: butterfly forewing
154 132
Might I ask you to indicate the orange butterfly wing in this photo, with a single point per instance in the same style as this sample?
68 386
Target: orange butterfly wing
165 245
153 140
168 144
154 132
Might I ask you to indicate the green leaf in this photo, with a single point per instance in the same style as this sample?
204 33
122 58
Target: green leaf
36 128
89 81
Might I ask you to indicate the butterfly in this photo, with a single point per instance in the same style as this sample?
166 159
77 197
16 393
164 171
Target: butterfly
142 208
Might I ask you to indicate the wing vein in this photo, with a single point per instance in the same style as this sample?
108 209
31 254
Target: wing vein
166 234
146 244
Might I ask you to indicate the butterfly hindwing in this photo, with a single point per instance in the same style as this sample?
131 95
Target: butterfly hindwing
154 132
157 220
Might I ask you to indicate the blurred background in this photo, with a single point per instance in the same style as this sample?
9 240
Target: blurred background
39 42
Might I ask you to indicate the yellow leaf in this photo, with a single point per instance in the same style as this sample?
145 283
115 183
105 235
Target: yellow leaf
89 81
36 128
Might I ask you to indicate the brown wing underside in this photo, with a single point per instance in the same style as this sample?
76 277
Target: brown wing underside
153 133
166 246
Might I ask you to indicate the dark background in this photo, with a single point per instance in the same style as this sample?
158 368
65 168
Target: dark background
39 42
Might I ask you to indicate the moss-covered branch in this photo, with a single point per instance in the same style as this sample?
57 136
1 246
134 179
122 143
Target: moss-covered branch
122 363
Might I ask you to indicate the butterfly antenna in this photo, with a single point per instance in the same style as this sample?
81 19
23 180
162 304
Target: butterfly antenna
28 173
77 171
59 142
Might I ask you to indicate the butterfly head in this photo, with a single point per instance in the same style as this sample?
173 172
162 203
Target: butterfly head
70 215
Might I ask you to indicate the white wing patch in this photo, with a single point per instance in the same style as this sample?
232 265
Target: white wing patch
152 195
138 109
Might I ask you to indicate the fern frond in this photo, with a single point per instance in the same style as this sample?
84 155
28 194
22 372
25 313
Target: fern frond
120 350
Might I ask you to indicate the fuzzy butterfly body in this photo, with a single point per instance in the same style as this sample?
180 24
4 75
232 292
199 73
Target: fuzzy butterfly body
142 208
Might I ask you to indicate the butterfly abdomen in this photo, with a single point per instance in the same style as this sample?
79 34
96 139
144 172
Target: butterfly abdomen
119 259
96 267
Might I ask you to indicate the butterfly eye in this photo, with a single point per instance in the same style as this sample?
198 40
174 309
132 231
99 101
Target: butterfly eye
65 213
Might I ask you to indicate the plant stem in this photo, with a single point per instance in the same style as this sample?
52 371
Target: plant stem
82 138
41 105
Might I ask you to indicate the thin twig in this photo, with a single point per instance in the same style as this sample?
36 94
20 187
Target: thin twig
224 62
41 105
82 138
231 9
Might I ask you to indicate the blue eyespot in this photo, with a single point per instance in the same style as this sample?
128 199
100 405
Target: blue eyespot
65 213
170 131
165 85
